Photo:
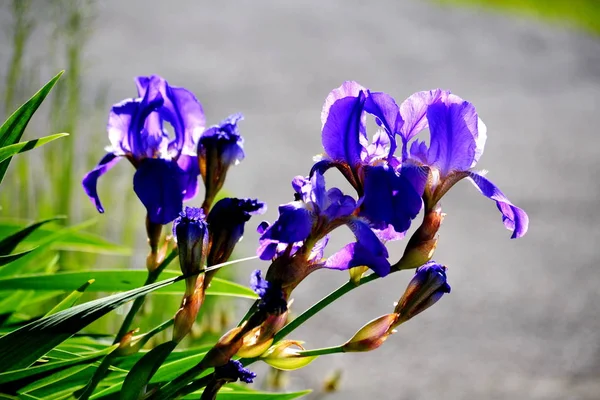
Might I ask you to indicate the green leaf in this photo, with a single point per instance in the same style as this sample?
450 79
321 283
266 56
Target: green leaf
24 346
54 378
71 299
70 241
18 374
7 259
139 376
12 129
239 395
9 243
9 151
116 280
18 266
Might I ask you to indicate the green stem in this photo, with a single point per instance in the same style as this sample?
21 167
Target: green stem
321 304
137 304
320 352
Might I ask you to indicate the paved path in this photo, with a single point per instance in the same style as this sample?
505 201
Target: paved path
523 320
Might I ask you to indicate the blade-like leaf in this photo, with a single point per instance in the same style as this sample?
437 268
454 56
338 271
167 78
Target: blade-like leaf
9 151
9 243
71 299
139 376
72 241
12 129
23 373
7 259
115 280
239 395
24 346
56 377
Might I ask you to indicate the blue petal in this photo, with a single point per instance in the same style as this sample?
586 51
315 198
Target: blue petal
189 166
384 107
342 123
355 255
513 217
368 250
90 180
293 225
453 128
389 199
157 183
414 111
416 175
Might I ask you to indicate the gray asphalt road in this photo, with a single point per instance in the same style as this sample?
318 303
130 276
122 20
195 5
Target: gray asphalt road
523 320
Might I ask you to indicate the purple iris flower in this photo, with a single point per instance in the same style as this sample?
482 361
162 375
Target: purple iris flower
315 213
457 140
166 167
219 147
388 197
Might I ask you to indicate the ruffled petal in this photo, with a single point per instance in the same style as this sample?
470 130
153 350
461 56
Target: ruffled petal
414 111
157 183
389 199
387 113
513 217
293 225
90 180
453 127
191 170
342 118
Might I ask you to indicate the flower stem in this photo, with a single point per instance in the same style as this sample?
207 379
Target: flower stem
321 304
320 352
137 304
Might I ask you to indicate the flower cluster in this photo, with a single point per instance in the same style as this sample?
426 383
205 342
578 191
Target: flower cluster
391 186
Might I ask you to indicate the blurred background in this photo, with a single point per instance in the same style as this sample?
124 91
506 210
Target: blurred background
523 319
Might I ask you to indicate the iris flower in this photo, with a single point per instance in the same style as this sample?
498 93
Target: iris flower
457 140
387 196
166 167
314 214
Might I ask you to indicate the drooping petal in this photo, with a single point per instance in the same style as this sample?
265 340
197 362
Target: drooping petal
157 183
90 180
389 199
293 225
416 175
513 217
356 255
368 250
189 166
342 123
453 127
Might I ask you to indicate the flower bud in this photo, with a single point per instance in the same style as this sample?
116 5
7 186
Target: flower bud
372 335
422 244
219 147
191 232
187 313
225 349
258 340
153 231
234 370
226 222
426 287
272 298
284 355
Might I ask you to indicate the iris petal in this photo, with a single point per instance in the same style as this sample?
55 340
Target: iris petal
513 217
342 123
157 183
453 130
90 180
389 199
293 225
189 166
